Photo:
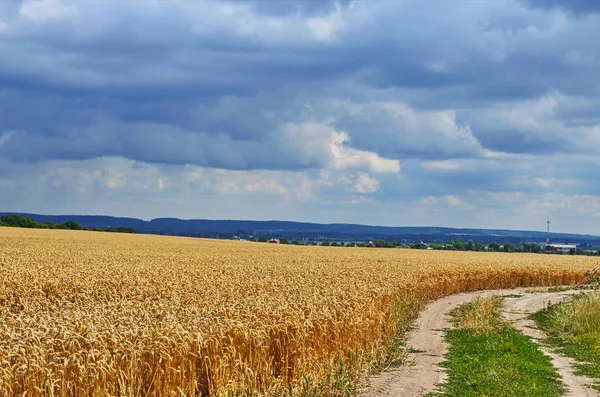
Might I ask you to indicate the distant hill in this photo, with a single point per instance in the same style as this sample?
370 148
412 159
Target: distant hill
311 231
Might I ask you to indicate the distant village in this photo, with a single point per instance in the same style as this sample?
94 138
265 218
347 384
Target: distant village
456 245
451 242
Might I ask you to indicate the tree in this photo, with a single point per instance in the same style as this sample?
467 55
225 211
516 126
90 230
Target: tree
19 221
459 244
295 242
335 244
325 244
383 244
479 247
262 239
494 246
536 248
508 247
550 249
121 229
283 241
470 246
72 225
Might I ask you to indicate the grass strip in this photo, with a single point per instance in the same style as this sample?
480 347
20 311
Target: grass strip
489 358
573 327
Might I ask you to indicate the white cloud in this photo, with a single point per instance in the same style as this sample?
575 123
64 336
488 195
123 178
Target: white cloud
82 179
449 200
163 183
270 183
442 165
318 145
452 200
429 200
3 26
358 200
345 158
5 137
554 122
546 182
531 113
507 197
194 175
491 154
42 10
366 184
326 28
397 129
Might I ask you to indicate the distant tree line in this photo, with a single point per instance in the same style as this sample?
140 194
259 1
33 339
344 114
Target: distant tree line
25 222
456 245
461 245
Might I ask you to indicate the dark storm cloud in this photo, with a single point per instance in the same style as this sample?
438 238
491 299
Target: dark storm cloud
575 6
224 84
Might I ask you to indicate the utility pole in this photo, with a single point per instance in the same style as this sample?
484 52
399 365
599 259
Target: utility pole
548 234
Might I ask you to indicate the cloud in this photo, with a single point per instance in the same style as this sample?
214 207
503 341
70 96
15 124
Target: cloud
5 137
348 158
366 184
447 200
326 28
295 146
554 123
400 131
358 200
214 109
577 7
298 7
442 164
453 201
43 10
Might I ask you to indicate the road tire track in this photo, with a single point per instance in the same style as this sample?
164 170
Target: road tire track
422 372
517 312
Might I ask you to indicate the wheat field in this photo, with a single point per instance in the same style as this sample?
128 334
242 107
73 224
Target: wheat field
100 314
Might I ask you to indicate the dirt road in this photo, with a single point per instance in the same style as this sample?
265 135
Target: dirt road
517 311
422 372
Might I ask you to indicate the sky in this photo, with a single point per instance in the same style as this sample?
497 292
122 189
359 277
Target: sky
431 113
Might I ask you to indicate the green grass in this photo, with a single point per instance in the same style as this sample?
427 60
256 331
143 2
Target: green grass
489 358
556 288
562 288
574 329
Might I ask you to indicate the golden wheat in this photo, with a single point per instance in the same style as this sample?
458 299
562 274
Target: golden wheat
97 314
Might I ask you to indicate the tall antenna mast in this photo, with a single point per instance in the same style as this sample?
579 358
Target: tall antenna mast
548 234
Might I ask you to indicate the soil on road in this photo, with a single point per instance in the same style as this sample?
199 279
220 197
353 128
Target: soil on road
422 372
